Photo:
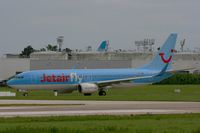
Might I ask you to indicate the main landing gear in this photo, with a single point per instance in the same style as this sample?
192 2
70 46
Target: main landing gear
24 92
102 93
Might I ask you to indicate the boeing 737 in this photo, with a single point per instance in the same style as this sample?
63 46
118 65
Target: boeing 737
88 81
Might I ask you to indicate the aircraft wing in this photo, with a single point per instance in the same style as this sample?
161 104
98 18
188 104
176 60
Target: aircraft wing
115 81
179 70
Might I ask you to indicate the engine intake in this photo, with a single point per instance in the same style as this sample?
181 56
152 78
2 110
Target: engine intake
87 88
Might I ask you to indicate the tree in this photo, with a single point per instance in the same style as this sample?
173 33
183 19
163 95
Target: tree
27 51
52 47
42 49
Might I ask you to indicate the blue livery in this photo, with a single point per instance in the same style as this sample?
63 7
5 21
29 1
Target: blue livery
103 46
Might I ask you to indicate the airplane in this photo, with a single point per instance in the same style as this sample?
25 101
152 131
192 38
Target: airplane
89 81
103 47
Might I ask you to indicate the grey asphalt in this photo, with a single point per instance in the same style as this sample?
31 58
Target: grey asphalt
77 107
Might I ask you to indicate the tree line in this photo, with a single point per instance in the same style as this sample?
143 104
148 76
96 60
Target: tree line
29 49
182 79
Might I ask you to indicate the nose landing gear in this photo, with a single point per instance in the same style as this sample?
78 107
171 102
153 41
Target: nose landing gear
24 92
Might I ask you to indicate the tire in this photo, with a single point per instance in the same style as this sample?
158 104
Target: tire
102 93
25 94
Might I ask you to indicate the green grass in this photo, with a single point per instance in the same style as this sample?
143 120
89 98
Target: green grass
148 92
184 123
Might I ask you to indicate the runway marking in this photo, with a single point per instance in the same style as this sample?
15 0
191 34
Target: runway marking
96 108
7 106
92 112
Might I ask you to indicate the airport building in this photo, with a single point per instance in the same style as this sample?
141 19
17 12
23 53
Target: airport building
91 60
11 66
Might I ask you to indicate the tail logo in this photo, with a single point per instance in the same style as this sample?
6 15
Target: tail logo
166 60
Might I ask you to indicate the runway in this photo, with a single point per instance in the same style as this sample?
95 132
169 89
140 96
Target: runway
69 108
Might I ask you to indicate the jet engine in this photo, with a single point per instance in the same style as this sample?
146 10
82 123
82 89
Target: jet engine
87 88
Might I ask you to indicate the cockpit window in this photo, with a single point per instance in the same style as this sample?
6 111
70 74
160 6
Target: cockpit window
18 77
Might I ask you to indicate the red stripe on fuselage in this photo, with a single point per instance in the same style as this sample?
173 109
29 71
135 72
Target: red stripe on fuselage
53 78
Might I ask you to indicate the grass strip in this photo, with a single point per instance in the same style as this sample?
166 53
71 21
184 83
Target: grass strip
181 123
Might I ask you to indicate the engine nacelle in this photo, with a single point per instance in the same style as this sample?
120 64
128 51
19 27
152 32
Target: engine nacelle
87 88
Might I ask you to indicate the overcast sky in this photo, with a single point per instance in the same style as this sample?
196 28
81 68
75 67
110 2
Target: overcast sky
88 22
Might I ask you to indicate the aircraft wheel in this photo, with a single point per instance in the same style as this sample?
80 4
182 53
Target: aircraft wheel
25 94
102 93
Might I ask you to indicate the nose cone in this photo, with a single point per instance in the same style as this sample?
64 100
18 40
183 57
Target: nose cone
10 82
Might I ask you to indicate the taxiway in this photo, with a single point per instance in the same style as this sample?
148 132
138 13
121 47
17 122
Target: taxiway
74 107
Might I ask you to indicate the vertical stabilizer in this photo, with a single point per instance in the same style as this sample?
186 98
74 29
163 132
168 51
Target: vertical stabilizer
164 55
103 46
